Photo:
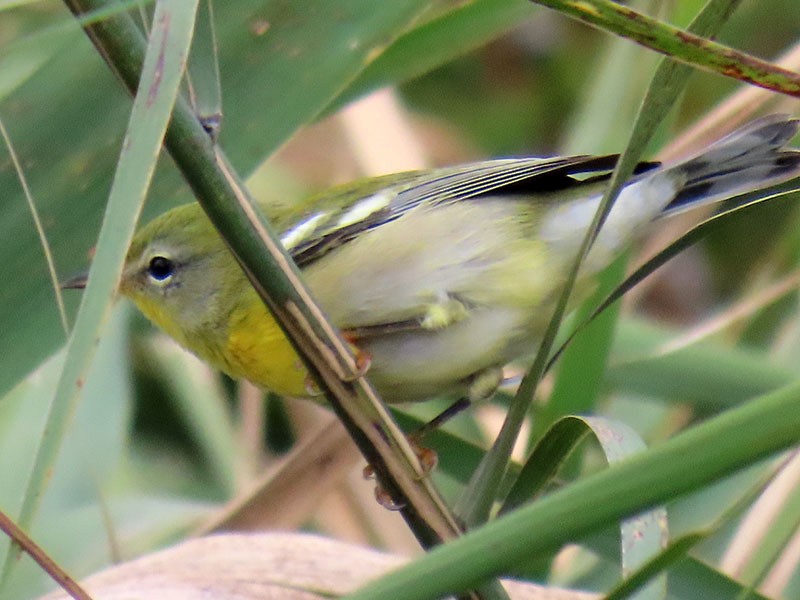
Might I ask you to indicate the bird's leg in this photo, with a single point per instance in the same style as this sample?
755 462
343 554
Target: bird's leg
482 386
363 358
363 362
443 417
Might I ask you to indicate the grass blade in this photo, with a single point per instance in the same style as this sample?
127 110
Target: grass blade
161 76
680 45
718 447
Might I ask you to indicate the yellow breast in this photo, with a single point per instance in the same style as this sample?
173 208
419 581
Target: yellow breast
258 350
252 346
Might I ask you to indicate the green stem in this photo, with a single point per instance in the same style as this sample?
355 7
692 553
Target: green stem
679 44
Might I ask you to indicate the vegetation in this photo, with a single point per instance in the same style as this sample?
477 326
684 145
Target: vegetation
695 374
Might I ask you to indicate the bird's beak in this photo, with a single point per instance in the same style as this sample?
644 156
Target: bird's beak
78 282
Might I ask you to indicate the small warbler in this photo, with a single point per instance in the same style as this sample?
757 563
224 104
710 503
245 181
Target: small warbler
441 277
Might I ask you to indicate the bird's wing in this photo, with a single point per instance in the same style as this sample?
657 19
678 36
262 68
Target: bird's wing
350 210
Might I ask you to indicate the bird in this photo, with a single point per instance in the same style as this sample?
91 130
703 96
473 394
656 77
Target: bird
440 277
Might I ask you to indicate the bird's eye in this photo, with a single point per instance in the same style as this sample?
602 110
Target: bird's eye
160 268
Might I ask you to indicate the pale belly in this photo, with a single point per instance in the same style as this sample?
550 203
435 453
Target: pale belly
420 364
405 366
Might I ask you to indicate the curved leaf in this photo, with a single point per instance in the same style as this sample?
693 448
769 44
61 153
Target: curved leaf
642 536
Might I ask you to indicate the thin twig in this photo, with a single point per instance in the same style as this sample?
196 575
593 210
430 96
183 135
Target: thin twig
41 557
48 254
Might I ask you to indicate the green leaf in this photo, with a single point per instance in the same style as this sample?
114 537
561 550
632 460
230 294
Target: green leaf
161 76
695 50
198 398
643 535
691 579
455 31
203 77
649 360
580 368
93 451
716 448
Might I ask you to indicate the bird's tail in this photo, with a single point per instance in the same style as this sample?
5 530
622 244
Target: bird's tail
744 164
751 158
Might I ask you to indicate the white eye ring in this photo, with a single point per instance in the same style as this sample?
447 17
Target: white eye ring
160 269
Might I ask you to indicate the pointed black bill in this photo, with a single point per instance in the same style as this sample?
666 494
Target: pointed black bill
78 282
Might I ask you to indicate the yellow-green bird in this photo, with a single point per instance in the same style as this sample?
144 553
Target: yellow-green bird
441 277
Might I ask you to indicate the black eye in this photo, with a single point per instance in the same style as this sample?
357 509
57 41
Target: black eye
160 268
